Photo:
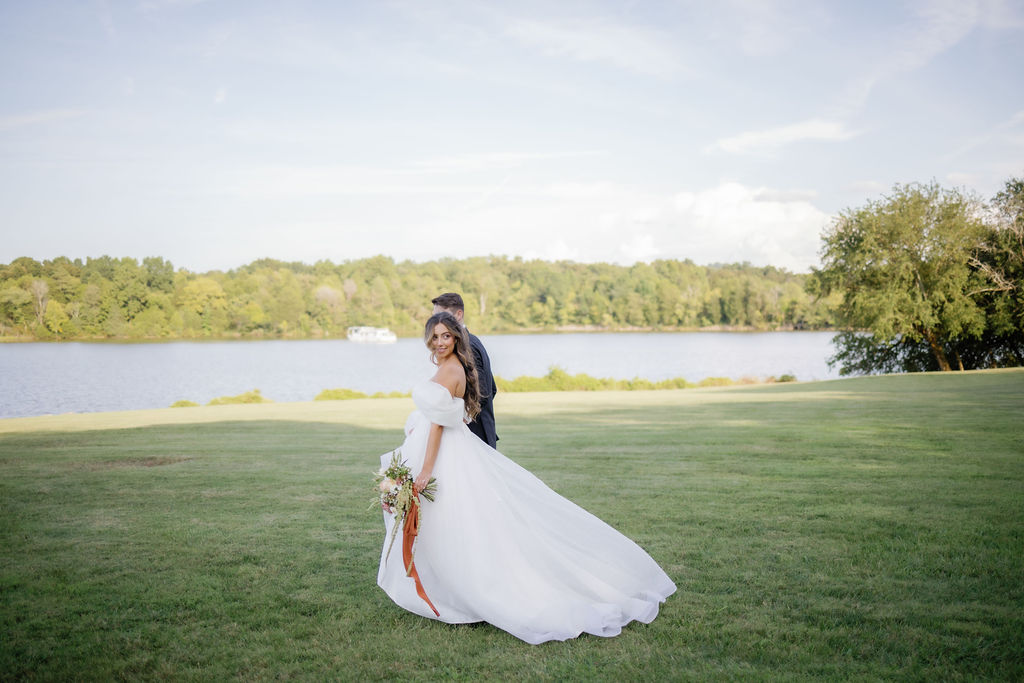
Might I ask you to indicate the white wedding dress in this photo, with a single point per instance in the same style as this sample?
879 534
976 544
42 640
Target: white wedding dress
498 545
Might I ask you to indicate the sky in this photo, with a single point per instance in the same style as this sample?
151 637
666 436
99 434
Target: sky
216 132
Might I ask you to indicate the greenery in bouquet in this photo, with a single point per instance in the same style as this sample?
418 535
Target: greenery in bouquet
394 486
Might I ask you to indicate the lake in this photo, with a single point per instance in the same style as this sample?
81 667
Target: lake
52 378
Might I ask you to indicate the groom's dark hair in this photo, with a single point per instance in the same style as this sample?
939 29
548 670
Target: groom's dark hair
449 301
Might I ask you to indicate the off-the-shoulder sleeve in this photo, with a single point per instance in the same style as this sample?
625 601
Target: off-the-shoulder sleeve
437 405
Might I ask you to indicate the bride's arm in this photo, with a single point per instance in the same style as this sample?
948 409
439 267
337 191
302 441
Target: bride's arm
448 375
433 445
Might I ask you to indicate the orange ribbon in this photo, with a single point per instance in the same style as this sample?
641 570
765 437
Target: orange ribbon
410 528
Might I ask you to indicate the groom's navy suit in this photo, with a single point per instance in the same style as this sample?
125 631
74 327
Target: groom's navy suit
483 424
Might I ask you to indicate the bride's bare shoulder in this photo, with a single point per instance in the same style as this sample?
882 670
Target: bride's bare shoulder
452 377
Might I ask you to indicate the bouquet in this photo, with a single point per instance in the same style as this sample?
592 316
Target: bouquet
394 484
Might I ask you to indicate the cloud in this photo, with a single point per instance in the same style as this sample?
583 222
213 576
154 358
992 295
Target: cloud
581 191
158 5
962 179
733 222
1002 14
1008 133
492 160
639 248
281 181
38 117
556 250
866 187
106 19
774 138
471 175
761 28
633 48
938 26
765 194
729 222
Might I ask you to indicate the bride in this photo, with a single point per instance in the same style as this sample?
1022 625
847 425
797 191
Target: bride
497 544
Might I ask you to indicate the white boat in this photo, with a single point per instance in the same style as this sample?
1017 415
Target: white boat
372 335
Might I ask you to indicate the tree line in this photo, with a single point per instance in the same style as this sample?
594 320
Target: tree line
122 298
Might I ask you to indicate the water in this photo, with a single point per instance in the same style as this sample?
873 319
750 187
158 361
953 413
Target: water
41 378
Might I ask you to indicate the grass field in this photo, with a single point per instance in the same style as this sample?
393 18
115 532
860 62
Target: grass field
865 529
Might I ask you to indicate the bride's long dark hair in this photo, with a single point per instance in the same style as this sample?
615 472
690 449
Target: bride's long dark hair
462 351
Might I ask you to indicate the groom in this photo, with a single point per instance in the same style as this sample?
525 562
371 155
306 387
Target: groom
483 424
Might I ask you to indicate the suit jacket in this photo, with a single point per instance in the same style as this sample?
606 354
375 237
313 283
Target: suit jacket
483 424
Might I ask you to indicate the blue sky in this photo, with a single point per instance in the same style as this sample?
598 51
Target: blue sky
216 132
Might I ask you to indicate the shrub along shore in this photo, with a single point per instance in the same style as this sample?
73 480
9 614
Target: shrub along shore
864 528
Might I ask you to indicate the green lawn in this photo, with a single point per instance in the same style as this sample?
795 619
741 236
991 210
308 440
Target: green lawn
868 528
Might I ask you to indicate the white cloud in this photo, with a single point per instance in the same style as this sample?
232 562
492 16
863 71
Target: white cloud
642 50
1008 133
556 250
284 181
939 25
482 161
765 194
733 222
473 176
1002 14
768 27
157 5
38 117
729 222
866 187
774 138
106 19
962 179
639 248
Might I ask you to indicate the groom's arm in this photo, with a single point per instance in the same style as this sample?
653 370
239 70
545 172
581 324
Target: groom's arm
483 368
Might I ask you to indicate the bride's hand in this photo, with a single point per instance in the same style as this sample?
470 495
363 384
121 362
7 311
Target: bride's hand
420 483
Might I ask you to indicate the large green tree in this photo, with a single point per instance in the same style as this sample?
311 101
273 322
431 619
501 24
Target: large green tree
910 269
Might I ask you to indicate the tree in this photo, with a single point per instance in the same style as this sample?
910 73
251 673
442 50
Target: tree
328 305
287 305
150 323
159 274
381 310
55 318
903 265
201 294
203 303
15 306
91 309
65 283
130 288
40 297
1000 260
